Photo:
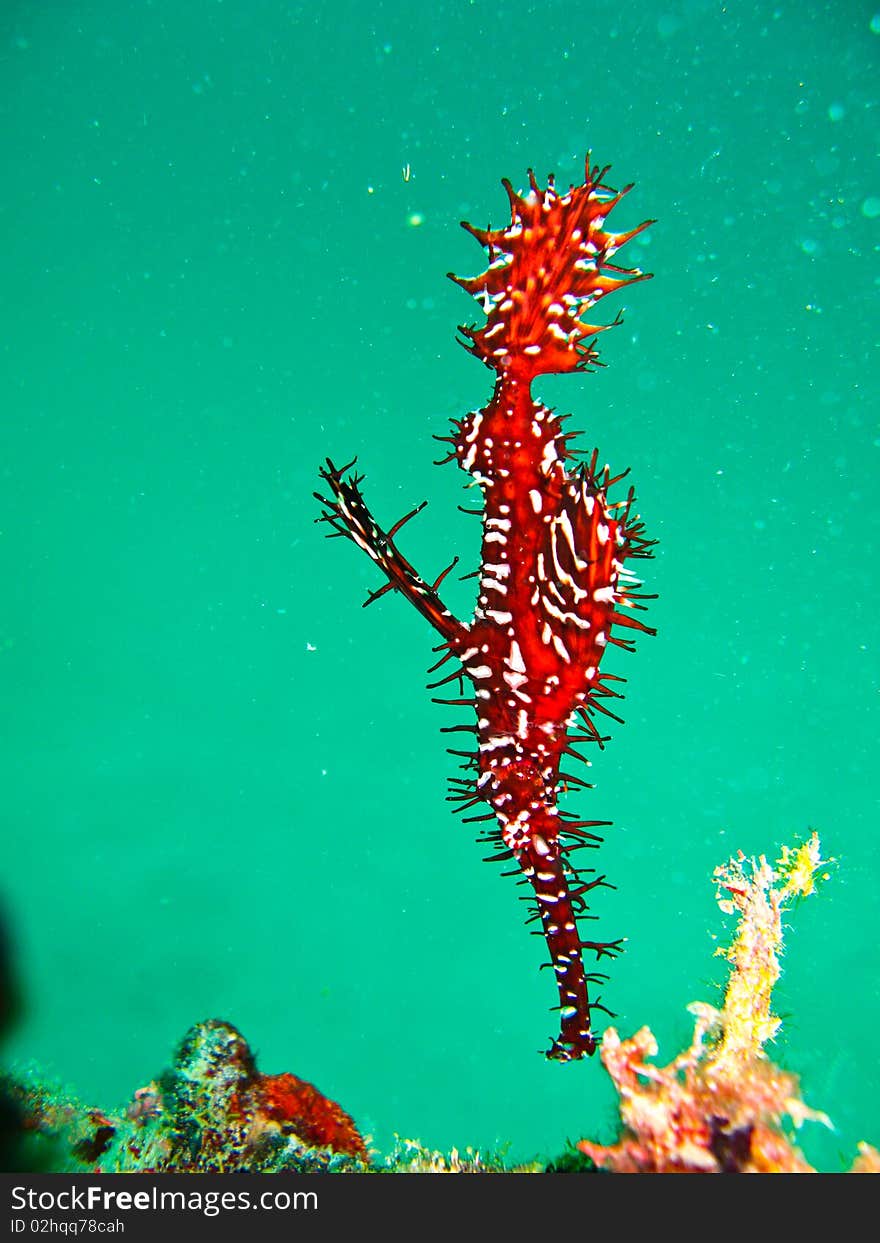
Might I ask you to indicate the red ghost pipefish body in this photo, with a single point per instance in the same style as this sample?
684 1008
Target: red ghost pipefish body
555 587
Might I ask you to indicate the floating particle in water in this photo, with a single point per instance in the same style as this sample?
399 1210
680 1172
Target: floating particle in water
871 205
667 25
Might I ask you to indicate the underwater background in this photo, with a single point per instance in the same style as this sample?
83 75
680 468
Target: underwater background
227 227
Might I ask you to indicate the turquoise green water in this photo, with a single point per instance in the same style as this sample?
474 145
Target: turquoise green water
223 782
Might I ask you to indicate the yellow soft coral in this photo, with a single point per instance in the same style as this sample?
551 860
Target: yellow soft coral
758 894
720 1105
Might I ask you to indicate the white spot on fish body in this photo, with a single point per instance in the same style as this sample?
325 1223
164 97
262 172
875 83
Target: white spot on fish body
561 648
583 623
564 521
550 457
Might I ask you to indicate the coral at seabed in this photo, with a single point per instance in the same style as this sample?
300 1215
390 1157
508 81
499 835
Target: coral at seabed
213 1111
720 1105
